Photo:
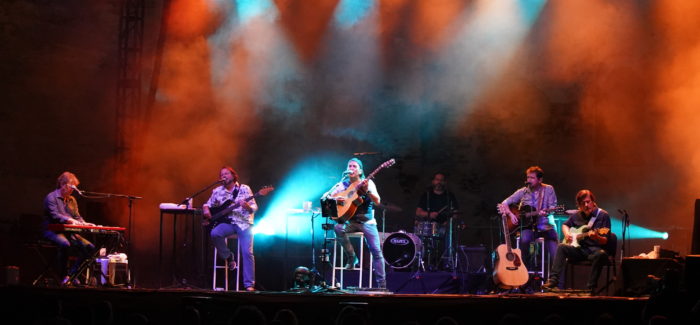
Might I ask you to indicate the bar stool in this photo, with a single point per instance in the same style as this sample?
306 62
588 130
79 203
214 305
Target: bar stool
338 259
225 266
539 269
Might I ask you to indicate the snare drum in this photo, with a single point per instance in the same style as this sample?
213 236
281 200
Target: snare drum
401 249
426 229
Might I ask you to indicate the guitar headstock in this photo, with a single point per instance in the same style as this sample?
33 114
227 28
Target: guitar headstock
385 164
559 209
265 190
388 163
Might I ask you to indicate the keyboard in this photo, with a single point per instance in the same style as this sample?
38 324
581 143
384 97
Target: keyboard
84 228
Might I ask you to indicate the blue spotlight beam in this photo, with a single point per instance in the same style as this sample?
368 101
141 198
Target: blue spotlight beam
305 182
636 232
350 12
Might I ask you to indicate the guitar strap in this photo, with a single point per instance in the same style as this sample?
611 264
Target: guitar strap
592 221
234 195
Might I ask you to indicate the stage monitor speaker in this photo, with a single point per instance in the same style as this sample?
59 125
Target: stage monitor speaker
636 274
692 269
473 259
695 247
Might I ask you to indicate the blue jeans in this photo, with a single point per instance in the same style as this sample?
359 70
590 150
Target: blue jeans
65 241
245 239
372 238
550 244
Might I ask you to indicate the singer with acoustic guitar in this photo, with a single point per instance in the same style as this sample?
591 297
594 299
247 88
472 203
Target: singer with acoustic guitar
588 243
239 220
358 195
527 210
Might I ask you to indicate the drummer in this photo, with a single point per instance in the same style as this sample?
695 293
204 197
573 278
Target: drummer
435 209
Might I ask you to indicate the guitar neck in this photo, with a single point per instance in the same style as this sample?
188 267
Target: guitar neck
233 206
506 236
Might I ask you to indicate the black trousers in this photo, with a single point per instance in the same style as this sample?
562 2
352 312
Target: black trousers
596 255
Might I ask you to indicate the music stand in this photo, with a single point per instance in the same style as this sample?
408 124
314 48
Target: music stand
329 209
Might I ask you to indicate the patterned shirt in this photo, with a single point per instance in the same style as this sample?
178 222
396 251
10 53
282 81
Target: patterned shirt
239 216
524 196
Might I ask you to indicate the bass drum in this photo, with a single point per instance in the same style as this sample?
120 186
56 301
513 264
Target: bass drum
401 249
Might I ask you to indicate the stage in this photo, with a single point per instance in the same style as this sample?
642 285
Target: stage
163 306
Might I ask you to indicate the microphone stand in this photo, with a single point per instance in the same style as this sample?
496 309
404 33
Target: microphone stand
625 235
131 198
188 202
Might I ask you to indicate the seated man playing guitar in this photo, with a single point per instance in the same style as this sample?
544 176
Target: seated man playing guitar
596 221
354 191
536 199
238 221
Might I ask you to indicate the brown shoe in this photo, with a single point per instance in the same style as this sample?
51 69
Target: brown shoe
250 289
550 284
232 264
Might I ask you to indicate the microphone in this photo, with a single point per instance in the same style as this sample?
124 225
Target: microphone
364 153
76 189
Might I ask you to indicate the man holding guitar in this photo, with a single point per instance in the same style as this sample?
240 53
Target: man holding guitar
535 199
590 242
238 221
363 218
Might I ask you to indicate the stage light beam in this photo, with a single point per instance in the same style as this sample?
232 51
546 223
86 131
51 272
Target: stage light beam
350 12
306 182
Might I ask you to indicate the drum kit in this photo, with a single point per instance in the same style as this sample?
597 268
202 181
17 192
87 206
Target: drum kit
420 249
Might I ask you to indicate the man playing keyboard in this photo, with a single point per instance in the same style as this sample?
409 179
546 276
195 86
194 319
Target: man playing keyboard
61 207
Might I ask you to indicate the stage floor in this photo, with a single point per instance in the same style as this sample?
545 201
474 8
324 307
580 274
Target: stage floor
165 306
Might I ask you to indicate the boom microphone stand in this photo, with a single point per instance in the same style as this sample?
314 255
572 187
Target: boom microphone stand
131 198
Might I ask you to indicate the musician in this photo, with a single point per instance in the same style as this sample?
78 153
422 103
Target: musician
363 220
536 196
591 243
61 207
239 221
437 205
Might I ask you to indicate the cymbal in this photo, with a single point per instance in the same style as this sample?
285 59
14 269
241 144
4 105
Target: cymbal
389 207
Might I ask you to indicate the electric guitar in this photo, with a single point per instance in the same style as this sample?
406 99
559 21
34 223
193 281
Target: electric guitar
351 200
510 272
220 214
527 215
579 233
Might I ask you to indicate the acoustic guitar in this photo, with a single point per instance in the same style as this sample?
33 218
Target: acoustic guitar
527 216
509 272
351 199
